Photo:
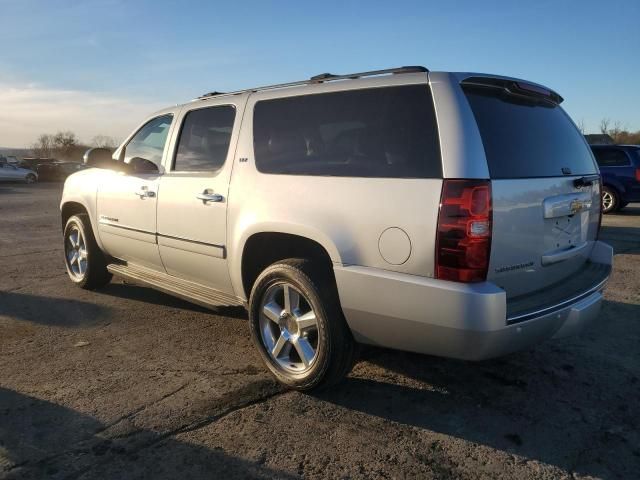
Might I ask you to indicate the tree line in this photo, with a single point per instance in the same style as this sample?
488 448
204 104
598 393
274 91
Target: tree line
618 133
616 130
65 145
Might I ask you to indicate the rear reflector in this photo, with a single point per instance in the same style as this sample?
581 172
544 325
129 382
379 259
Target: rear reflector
463 242
638 174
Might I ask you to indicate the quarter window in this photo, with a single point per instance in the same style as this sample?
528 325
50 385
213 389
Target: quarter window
378 132
204 139
611 157
147 145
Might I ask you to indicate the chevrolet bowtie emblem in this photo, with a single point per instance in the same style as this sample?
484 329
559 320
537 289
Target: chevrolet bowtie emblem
576 206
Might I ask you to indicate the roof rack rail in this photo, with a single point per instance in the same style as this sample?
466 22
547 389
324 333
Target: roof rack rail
321 78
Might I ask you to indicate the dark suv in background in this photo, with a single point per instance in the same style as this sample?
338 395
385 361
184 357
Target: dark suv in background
620 169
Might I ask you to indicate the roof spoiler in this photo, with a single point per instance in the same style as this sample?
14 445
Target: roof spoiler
518 88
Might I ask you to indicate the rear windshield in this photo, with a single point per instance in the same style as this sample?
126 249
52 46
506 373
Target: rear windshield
527 138
378 132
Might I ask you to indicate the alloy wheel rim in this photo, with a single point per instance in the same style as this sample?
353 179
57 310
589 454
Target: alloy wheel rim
289 328
76 253
607 200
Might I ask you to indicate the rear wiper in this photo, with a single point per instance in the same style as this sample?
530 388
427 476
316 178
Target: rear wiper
585 181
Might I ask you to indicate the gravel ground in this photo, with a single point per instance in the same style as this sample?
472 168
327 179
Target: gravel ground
127 382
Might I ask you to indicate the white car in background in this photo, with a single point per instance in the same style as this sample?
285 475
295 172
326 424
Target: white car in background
13 173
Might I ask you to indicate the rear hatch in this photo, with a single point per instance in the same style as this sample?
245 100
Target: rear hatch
545 189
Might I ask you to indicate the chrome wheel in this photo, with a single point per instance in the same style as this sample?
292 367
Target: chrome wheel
288 328
75 250
607 201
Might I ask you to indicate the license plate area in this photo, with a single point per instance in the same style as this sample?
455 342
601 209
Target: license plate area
566 232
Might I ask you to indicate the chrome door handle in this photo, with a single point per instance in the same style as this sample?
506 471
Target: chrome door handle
208 196
145 192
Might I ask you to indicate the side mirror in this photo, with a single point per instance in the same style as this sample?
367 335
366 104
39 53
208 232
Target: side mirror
142 165
101 158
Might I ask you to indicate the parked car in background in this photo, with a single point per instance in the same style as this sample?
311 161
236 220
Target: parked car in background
620 170
401 208
33 162
57 171
10 159
12 173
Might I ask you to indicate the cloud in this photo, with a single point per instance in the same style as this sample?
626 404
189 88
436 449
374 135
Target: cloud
28 110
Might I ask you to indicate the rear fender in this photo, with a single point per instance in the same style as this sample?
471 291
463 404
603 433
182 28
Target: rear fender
244 230
613 182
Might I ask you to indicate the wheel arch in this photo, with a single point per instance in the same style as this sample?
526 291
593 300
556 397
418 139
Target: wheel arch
614 184
71 207
263 247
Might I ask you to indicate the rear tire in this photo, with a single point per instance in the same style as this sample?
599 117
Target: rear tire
85 262
610 200
304 341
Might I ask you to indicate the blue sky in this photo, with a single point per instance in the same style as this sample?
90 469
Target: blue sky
99 66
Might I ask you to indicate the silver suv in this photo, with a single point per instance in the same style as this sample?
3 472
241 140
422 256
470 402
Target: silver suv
452 214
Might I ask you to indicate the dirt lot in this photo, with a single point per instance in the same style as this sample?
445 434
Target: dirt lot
166 389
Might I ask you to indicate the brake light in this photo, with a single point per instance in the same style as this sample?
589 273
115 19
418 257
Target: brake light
638 174
463 242
600 206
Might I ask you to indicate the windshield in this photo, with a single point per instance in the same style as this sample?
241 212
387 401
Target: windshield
527 138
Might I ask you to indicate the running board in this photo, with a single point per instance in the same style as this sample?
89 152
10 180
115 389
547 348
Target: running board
184 289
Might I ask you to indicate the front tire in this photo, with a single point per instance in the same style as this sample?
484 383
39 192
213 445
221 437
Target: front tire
610 200
298 326
85 262
31 178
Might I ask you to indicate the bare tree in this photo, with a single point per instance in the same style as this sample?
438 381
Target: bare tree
43 147
617 131
582 126
64 144
104 141
604 126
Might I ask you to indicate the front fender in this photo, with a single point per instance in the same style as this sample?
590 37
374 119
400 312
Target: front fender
82 188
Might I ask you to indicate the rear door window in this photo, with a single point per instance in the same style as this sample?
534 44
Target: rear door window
379 132
526 138
204 139
611 157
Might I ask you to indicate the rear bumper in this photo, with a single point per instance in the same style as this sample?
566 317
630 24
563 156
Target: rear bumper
449 319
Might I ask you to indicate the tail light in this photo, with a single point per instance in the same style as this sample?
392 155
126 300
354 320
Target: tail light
600 206
463 242
638 174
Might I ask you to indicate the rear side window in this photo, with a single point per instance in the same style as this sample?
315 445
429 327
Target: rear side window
204 139
527 138
611 157
381 132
